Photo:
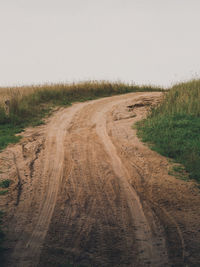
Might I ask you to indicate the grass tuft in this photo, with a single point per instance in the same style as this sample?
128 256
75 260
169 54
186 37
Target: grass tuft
179 172
5 183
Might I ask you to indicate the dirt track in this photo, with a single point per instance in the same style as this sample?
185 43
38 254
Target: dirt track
87 191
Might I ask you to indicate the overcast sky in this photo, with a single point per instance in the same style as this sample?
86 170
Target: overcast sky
140 41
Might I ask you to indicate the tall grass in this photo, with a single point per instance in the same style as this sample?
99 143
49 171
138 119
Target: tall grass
183 98
173 127
28 105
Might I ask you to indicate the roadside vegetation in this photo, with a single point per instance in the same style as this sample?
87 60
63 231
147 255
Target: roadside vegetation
24 106
173 127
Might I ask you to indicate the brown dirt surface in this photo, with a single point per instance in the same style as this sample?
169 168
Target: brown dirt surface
86 191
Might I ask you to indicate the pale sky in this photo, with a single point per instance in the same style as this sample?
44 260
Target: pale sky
141 41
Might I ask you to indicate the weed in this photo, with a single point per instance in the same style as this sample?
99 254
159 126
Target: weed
5 183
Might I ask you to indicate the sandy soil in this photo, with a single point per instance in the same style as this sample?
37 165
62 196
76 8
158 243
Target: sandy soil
85 190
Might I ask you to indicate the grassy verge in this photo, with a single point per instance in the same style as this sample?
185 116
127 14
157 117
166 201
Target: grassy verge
7 134
28 105
173 128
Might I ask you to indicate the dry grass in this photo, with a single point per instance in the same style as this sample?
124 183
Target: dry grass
86 85
90 88
183 98
62 94
29 104
7 93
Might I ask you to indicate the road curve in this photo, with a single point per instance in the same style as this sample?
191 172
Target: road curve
83 199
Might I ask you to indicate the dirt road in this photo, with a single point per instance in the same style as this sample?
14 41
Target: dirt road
86 191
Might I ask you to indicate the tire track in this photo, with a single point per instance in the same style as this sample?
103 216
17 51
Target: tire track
144 238
97 228
87 208
52 174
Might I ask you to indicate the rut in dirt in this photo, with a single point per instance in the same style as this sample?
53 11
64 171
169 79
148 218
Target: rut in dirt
79 202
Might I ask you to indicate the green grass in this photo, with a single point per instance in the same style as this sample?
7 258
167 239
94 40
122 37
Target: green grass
28 105
5 183
173 127
179 172
7 134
